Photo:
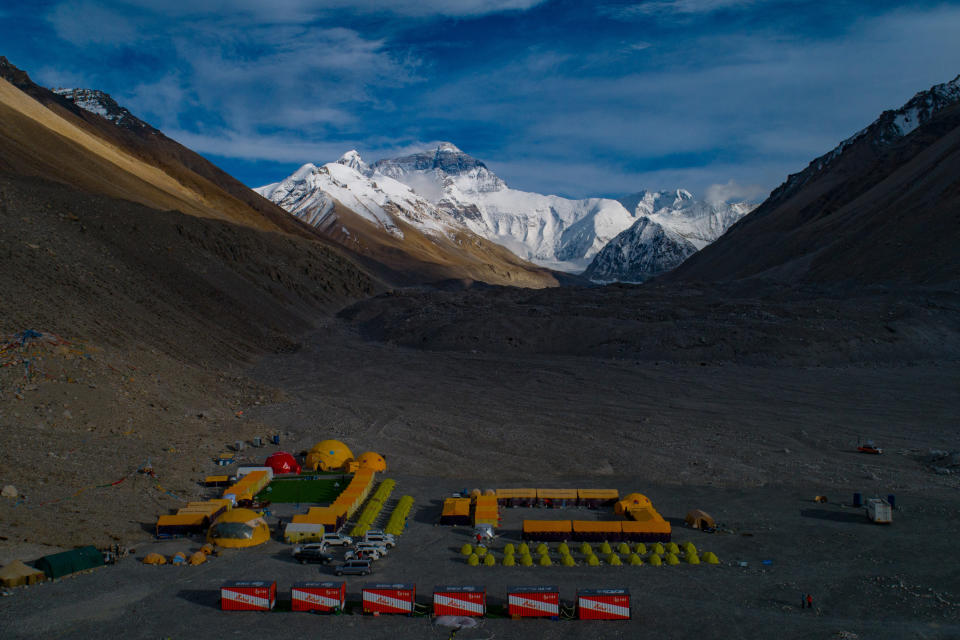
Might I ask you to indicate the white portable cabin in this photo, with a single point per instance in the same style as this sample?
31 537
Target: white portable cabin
879 511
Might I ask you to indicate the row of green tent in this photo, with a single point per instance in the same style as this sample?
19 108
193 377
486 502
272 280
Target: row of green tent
398 519
372 510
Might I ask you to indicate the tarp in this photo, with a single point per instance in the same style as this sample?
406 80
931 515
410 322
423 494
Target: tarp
645 525
506 494
599 495
546 530
181 524
557 494
62 564
700 520
455 511
17 573
554 526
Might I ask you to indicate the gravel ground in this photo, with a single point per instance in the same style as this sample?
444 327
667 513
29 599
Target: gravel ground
749 444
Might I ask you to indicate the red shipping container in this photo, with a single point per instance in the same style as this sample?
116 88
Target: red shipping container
459 601
389 598
248 595
318 596
533 602
603 604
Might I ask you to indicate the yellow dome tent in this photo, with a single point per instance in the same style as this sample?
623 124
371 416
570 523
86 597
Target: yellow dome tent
631 501
239 528
700 520
155 559
198 557
328 455
372 460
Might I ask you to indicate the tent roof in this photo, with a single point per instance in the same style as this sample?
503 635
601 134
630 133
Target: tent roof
17 569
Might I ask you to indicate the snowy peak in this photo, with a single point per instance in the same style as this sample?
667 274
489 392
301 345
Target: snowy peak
441 189
448 147
641 252
103 105
353 160
435 170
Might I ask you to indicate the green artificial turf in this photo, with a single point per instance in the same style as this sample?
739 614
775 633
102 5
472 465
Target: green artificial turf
304 489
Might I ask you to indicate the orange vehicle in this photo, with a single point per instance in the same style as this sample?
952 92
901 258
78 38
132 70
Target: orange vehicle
869 447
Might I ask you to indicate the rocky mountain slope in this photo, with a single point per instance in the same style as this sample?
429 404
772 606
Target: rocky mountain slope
100 147
134 290
883 206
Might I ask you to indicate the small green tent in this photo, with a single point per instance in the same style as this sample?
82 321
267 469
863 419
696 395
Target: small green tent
62 564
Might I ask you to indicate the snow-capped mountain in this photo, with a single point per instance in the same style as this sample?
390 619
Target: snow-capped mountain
671 226
102 104
549 230
644 250
698 222
443 189
312 192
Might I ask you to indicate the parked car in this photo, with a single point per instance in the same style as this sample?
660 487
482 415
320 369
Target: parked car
380 538
336 539
316 552
365 554
371 546
354 568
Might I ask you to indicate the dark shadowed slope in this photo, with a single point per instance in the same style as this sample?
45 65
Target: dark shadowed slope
884 206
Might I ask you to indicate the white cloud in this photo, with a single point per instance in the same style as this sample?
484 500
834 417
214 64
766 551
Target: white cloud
84 23
295 11
667 7
733 191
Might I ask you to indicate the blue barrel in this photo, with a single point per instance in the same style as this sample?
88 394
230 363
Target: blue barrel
857 500
275 439
892 501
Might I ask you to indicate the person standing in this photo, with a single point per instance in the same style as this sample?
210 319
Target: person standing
803 600
809 601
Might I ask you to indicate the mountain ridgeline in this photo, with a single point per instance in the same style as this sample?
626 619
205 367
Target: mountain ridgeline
883 206
443 190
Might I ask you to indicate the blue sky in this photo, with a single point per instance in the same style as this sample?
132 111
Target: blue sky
722 97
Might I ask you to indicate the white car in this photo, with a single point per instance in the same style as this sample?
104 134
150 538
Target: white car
367 554
371 546
336 539
385 539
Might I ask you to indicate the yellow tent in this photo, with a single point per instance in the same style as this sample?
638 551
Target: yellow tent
700 520
631 501
328 455
155 559
17 573
239 528
372 460
198 557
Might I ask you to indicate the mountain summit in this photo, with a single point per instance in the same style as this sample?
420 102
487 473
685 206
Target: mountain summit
442 185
